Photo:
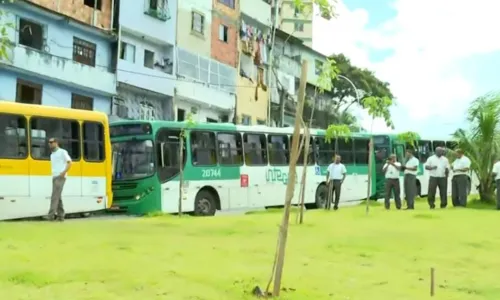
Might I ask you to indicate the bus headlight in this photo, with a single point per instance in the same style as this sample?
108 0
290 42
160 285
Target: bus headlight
137 197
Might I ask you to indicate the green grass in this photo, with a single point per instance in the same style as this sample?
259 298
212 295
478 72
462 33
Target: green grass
334 255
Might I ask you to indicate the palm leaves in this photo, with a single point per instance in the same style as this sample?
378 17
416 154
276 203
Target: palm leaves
481 142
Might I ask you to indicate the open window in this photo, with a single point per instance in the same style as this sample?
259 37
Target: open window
203 148
325 151
168 146
255 146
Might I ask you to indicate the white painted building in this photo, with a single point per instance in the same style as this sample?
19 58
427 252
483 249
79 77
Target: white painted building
145 59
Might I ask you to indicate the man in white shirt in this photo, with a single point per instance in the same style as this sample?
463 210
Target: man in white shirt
391 170
460 180
496 176
439 169
335 176
60 162
410 179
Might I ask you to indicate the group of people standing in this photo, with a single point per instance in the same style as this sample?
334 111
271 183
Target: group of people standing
439 171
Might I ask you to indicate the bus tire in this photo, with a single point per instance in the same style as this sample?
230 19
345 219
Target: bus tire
321 195
205 204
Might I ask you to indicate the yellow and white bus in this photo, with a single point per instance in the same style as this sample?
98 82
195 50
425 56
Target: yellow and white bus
25 173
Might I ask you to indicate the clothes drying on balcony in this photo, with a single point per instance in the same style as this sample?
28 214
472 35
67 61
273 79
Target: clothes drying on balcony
254 42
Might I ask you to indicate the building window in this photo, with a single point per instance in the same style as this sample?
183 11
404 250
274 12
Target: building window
84 52
181 115
298 26
223 33
210 120
119 108
296 12
96 4
82 102
147 111
127 52
261 122
246 120
31 34
197 22
228 3
149 59
158 9
318 66
28 92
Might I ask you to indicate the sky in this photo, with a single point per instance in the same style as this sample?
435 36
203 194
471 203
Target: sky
437 55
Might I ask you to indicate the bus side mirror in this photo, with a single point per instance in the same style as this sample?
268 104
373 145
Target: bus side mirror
162 154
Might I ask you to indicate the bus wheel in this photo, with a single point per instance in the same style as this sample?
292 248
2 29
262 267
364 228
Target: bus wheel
205 204
321 195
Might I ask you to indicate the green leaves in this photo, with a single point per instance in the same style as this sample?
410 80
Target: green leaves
379 107
408 137
335 131
5 43
326 10
328 73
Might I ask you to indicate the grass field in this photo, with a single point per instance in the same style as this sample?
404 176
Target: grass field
334 255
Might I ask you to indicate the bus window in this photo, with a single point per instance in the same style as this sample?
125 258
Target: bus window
167 153
451 145
424 150
400 153
93 141
310 159
134 159
278 149
13 138
255 149
436 144
345 150
325 151
230 149
203 148
66 131
361 150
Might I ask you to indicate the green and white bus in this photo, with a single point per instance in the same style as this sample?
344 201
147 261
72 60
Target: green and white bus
386 144
225 167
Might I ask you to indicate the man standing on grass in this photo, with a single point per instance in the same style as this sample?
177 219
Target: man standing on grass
391 170
410 179
496 176
335 176
60 162
439 169
460 180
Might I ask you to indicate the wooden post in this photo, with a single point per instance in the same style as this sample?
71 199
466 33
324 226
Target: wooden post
283 233
432 282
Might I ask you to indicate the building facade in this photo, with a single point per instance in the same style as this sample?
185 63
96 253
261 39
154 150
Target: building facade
56 60
145 59
294 22
206 79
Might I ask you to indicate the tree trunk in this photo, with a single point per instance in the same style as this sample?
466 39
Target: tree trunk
370 164
300 215
486 191
181 173
283 234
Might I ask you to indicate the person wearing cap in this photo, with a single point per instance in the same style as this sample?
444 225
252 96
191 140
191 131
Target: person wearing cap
410 179
460 180
439 169
391 170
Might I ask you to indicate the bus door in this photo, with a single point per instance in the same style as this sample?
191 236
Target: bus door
94 175
14 166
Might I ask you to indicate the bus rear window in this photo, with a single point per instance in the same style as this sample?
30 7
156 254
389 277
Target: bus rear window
130 129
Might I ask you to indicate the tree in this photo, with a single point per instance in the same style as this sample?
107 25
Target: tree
368 85
5 43
481 142
182 136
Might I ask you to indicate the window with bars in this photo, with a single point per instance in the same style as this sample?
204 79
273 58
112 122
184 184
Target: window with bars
84 52
82 102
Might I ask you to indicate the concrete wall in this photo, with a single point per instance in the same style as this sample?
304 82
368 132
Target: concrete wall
77 10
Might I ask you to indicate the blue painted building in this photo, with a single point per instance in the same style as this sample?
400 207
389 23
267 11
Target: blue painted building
145 59
56 60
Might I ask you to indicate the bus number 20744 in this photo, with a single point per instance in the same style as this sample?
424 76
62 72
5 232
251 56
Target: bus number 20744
210 173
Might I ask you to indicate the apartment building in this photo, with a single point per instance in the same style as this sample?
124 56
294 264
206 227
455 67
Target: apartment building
145 59
206 60
294 22
59 57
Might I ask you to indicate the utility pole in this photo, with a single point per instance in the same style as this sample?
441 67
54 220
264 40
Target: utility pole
270 73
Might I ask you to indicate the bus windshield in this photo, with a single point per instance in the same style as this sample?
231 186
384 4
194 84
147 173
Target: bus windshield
133 160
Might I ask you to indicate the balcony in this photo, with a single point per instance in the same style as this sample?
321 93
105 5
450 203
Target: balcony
145 78
204 94
259 10
60 69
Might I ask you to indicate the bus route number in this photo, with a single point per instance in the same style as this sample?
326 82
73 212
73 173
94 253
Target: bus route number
209 173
